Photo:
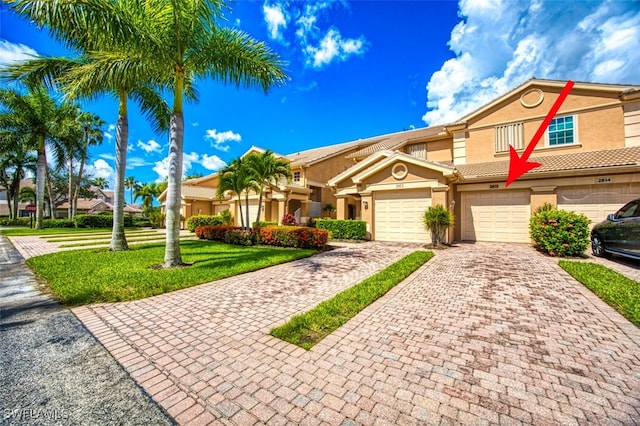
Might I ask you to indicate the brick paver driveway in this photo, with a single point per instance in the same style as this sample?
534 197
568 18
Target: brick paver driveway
485 333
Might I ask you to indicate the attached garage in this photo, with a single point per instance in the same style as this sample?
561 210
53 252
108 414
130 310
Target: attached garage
500 216
597 201
398 215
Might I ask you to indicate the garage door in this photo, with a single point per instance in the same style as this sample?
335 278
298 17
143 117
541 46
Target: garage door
253 212
398 215
597 201
496 216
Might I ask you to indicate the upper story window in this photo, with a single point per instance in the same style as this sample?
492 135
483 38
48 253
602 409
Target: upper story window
418 150
296 176
561 131
510 134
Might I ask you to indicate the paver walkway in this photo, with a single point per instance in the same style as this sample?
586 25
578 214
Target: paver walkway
484 333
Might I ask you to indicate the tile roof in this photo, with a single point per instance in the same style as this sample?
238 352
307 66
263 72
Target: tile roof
396 140
310 156
203 192
556 163
85 204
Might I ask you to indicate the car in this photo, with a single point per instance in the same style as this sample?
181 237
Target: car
619 234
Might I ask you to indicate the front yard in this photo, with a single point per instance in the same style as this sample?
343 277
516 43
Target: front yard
79 277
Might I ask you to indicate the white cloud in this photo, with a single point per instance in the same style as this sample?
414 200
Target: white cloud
101 168
212 162
109 133
133 162
500 44
107 156
219 139
149 147
274 16
333 47
10 52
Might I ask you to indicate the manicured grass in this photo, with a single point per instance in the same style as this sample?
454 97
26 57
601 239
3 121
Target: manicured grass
307 329
55 231
105 242
620 292
97 275
97 235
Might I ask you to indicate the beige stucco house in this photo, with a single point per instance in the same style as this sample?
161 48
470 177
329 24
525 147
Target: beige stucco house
590 157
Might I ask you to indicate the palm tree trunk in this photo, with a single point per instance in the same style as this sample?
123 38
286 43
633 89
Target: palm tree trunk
172 256
50 191
118 238
15 187
83 159
70 196
240 210
246 202
259 206
40 178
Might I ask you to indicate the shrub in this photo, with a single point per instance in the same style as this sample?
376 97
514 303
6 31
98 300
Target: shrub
215 233
141 221
289 220
239 237
344 229
101 220
559 232
226 217
201 220
543 208
293 236
58 223
262 224
156 219
22 221
438 219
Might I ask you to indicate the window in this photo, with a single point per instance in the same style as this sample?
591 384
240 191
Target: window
561 131
417 150
510 134
296 176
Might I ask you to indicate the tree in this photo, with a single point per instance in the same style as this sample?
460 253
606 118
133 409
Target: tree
93 135
130 183
148 192
236 178
27 195
37 117
16 159
437 219
266 170
102 34
100 183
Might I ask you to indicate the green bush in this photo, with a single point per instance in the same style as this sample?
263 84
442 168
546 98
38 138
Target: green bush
201 220
102 220
141 221
156 218
438 219
58 223
227 217
215 233
239 237
293 236
344 229
559 232
22 221
262 224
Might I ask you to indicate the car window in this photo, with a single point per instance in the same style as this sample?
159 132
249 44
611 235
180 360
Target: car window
630 210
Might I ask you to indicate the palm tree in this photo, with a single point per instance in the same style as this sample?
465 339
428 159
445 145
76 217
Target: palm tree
39 119
130 183
266 170
148 192
236 178
92 131
100 183
101 33
16 158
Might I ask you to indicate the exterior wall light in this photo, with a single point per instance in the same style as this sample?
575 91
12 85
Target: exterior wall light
365 204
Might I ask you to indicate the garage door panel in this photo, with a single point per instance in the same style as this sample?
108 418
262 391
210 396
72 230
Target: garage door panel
501 216
597 201
398 215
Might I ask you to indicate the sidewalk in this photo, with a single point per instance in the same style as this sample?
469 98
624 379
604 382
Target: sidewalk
53 370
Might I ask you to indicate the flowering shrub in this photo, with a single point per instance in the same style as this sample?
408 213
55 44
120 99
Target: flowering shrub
239 237
293 236
214 232
559 232
288 220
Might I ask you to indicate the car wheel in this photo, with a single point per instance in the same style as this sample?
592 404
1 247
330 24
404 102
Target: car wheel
597 246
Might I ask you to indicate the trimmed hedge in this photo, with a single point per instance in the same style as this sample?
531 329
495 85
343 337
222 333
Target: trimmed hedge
22 221
262 224
239 237
58 223
99 221
344 229
293 236
215 233
559 232
203 220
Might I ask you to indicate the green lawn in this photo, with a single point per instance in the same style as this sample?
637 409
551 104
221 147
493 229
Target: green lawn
620 292
307 329
56 231
97 275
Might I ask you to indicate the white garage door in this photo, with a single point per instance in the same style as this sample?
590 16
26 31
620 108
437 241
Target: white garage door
253 212
398 215
597 201
501 216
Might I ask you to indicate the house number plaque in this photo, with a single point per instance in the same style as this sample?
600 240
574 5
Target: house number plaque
604 180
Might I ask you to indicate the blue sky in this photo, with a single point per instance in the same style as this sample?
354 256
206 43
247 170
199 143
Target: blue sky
364 68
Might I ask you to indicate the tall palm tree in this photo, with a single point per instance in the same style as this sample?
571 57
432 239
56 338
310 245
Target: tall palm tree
148 192
16 159
92 131
236 178
100 183
102 33
130 183
38 117
266 170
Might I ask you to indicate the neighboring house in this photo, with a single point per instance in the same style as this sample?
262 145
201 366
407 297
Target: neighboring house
103 201
305 195
590 158
4 204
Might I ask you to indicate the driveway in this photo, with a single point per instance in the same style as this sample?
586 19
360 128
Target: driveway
483 333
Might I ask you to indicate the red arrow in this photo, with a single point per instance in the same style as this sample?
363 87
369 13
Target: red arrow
519 165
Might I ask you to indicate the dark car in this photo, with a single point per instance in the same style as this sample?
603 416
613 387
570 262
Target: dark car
619 234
